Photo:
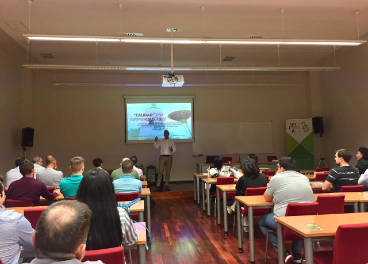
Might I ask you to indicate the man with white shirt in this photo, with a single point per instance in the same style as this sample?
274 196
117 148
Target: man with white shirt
14 174
138 170
167 149
50 176
37 163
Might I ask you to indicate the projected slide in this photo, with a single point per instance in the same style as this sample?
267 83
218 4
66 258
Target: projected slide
145 121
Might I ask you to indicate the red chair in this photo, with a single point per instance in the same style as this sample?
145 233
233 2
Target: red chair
1 262
223 181
323 169
352 188
33 214
126 197
18 203
70 198
232 161
331 204
349 246
271 158
51 189
226 159
298 170
107 256
252 192
269 173
321 177
295 209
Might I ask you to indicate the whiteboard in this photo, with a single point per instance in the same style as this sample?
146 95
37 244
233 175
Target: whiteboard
231 138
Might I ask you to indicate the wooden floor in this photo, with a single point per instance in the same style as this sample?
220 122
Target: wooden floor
181 233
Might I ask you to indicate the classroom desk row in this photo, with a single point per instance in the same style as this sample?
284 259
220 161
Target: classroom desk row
258 202
145 195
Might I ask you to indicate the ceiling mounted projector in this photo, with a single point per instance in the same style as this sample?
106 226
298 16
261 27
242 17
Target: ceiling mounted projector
172 80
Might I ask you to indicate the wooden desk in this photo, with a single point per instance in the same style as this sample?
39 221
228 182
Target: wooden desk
202 167
144 184
196 182
140 244
225 189
146 196
251 202
328 223
316 185
209 181
21 209
307 172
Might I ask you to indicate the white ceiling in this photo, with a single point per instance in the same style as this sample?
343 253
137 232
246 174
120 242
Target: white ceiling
312 19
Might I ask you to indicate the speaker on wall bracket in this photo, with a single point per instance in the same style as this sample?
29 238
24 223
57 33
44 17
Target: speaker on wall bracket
318 126
27 137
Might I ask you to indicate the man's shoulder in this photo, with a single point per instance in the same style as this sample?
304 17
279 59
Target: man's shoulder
10 216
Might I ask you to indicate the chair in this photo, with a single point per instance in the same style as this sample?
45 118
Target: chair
51 189
226 159
331 204
321 177
18 203
252 192
271 158
349 246
223 181
70 198
33 214
297 170
126 197
269 173
323 169
107 256
352 188
295 209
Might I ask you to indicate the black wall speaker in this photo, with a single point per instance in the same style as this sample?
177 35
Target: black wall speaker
318 126
27 137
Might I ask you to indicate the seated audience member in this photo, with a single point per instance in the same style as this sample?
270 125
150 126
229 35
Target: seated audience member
111 226
37 163
138 170
253 157
362 156
97 162
69 186
363 180
343 175
218 170
127 183
28 188
252 178
50 176
116 174
61 234
14 174
15 232
287 186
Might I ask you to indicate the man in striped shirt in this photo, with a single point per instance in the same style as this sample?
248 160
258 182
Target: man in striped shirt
343 175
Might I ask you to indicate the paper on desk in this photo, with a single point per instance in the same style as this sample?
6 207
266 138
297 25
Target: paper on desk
313 227
317 183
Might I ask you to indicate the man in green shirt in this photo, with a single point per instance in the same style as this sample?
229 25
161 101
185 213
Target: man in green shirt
116 174
69 186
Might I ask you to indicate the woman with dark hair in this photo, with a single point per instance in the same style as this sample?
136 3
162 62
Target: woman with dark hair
251 178
111 226
362 156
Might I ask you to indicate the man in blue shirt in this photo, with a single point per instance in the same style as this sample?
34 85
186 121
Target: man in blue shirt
127 183
69 186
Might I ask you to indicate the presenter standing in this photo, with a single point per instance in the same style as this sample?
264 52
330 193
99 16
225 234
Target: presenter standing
167 149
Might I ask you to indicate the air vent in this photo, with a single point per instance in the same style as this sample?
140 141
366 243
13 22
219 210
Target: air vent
47 56
133 34
17 26
174 30
255 37
229 58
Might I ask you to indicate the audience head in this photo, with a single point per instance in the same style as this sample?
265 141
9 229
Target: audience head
26 168
61 231
105 230
50 161
97 162
127 166
286 164
362 153
217 163
19 162
342 156
249 168
134 159
2 192
253 157
37 160
77 165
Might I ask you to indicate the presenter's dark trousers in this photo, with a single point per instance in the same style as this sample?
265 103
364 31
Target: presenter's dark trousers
165 163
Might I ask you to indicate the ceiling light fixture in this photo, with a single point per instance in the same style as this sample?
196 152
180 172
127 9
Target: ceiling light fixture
177 69
186 84
34 37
